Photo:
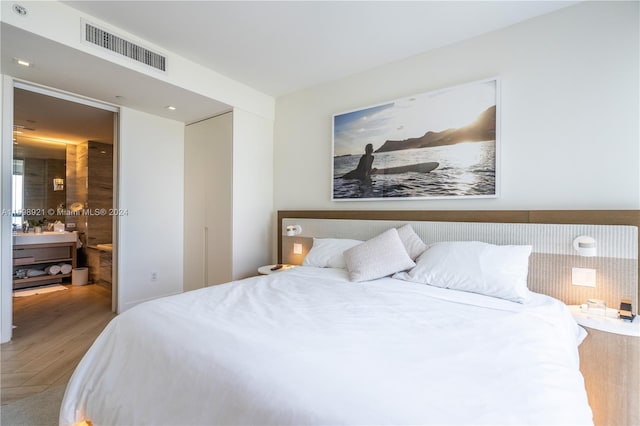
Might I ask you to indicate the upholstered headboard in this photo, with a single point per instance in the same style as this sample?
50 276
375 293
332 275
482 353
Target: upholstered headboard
551 233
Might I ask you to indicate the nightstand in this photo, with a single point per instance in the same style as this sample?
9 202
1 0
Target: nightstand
610 364
609 322
267 269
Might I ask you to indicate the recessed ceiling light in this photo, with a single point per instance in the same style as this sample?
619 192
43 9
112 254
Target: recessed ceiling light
170 107
22 62
20 10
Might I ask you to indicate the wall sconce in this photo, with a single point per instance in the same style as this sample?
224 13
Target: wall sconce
297 248
585 246
58 184
293 230
585 277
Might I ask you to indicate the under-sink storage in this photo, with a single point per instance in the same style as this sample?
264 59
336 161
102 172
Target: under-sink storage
99 261
37 257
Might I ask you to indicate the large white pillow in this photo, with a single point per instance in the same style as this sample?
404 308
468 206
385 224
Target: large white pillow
328 252
473 266
412 242
378 257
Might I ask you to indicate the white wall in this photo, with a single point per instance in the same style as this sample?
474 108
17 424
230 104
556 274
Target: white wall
570 108
151 189
252 192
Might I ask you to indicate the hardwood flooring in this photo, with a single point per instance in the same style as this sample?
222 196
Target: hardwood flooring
53 331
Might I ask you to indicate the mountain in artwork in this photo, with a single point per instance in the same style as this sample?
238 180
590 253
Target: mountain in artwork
481 129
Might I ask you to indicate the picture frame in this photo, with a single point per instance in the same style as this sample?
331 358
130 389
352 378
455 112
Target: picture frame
442 144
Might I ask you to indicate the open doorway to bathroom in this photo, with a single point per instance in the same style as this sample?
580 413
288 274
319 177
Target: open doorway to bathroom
63 192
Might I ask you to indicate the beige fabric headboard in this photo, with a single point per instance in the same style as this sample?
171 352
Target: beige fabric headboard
551 234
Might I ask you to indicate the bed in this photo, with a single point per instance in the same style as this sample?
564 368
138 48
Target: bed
317 344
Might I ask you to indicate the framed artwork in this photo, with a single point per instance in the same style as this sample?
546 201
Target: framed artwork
439 144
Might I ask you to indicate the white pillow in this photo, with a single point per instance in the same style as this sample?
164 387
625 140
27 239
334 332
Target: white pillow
498 271
327 252
378 257
412 242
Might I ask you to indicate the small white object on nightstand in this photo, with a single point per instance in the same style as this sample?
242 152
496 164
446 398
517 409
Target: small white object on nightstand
609 322
269 269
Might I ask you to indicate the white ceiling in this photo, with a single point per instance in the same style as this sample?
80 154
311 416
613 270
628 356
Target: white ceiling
274 47
278 47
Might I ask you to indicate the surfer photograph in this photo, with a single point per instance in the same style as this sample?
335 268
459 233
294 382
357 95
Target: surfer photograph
434 145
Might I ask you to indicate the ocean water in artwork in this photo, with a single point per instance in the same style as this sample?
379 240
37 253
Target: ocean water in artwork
464 169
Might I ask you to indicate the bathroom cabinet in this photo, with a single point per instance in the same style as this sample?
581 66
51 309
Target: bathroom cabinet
39 256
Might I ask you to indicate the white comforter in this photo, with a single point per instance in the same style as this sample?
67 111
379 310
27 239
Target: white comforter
306 346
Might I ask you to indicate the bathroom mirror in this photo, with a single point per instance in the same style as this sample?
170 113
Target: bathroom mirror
35 166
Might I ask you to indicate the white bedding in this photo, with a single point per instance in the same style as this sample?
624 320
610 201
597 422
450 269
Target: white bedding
306 346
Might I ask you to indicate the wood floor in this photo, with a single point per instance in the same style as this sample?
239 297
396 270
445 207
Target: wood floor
53 331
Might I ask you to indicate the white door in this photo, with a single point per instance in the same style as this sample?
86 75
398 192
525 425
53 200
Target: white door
208 202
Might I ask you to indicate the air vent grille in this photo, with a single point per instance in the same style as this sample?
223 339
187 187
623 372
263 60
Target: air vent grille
124 47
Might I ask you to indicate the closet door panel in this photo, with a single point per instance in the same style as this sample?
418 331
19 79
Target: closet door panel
208 186
218 192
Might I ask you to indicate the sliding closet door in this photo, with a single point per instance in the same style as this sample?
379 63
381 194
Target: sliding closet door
208 202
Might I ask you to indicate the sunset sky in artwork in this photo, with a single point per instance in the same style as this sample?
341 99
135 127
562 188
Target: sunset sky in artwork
411 117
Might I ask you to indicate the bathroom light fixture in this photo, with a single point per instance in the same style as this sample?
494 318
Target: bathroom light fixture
21 127
293 230
170 107
38 139
76 207
585 246
58 184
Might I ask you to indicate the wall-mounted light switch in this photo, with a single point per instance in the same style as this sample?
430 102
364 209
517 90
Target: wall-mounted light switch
583 276
297 248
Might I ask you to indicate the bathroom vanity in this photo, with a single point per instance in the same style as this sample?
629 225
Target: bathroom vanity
37 251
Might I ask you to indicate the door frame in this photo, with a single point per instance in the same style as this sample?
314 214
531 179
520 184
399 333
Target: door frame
6 282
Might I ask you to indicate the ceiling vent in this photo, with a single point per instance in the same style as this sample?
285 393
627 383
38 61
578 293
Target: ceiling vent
112 42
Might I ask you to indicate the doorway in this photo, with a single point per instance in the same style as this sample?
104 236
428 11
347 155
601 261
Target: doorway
64 179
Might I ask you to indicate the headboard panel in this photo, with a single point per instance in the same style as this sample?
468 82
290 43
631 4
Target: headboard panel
551 234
